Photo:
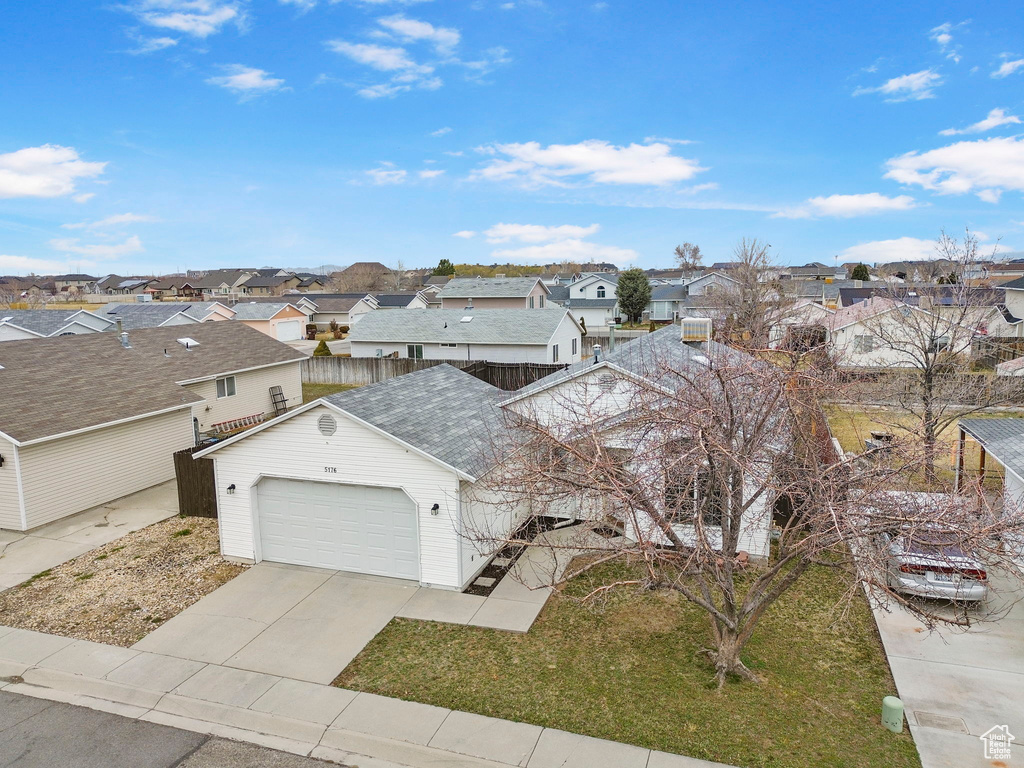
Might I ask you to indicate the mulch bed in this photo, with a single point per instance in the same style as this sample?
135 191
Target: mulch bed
122 591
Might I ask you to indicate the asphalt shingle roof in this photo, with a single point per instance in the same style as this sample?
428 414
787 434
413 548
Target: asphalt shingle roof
44 321
1003 438
668 293
408 407
488 287
259 310
395 299
148 315
488 326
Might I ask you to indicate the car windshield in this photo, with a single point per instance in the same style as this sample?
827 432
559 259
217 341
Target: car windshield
933 544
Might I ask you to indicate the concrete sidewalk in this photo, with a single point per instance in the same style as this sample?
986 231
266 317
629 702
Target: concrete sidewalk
955 684
24 554
294 716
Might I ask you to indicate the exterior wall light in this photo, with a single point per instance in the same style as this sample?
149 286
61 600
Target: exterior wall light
231 488
436 509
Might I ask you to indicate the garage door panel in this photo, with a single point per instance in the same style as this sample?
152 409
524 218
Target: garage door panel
289 330
345 527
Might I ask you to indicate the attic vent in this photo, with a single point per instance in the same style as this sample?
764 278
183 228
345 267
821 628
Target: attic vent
466 319
606 382
327 425
188 343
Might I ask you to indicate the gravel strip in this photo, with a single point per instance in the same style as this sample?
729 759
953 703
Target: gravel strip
122 591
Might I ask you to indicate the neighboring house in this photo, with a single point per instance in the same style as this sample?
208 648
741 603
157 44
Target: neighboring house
209 311
345 310
500 335
224 282
368 481
17 324
308 282
710 282
74 283
873 333
271 285
667 302
600 286
306 303
126 286
133 406
816 271
594 313
494 293
804 325
405 300
278 320
606 388
436 281
149 315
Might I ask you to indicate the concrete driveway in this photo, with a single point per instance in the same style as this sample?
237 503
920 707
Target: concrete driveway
301 623
24 554
957 685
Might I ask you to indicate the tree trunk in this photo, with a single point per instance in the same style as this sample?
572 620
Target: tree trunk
726 656
928 422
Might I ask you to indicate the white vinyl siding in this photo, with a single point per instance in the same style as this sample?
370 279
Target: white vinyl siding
10 506
563 338
10 333
498 353
252 394
68 475
295 449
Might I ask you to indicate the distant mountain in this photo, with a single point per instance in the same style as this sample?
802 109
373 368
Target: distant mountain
321 269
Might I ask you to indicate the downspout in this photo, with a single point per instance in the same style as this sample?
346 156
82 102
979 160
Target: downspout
22 510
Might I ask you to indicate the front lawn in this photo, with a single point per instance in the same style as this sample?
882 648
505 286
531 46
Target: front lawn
122 591
632 670
316 391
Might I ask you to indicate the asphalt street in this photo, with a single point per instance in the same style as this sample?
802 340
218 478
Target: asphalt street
35 733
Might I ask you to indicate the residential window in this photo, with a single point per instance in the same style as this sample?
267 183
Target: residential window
531 302
226 387
449 346
415 351
600 291
541 300
575 347
863 344
691 495
554 354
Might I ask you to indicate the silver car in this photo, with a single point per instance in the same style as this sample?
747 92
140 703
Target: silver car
927 563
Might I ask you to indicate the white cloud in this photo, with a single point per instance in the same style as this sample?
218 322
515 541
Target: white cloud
1008 67
130 246
387 174
377 56
83 197
110 221
431 174
996 118
885 251
567 250
943 35
45 171
246 81
25 265
662 140
591 161
465 234
914 87
153 44
441 131
444 39
302 5
535 233
199 18
847 206
986 167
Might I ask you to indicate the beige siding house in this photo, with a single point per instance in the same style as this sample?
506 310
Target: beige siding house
283 321
73 436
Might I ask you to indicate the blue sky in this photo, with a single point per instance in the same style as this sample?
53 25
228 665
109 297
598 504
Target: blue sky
159 135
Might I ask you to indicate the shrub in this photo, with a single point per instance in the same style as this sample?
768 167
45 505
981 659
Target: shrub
322 350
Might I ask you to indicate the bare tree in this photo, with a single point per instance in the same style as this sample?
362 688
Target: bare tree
754 301
926 334
359 278
676 471
688 257
396 277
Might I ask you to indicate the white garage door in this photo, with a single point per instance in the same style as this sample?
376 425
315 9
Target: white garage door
289 330
344 527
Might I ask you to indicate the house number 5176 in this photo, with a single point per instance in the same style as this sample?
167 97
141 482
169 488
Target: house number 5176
332 470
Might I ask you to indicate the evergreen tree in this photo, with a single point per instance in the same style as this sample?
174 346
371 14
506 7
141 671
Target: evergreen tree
860 272
322 350
633 292
444 267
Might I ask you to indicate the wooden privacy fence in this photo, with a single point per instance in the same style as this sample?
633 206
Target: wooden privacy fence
360 371
197 490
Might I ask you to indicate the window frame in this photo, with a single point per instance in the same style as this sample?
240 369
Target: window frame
554 353
414 351
226 387
601 292
575 347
